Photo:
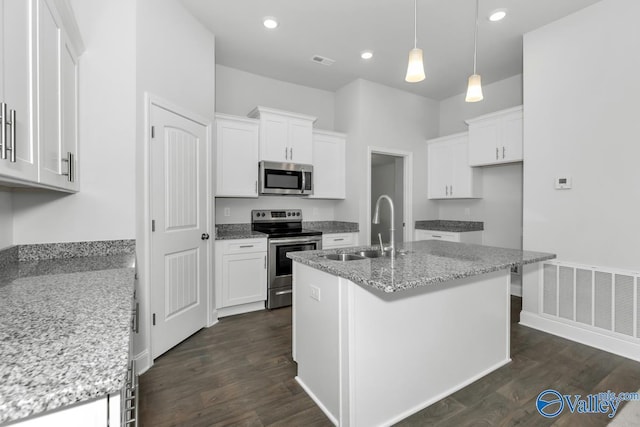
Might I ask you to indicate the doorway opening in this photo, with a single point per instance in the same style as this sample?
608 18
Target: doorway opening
390 173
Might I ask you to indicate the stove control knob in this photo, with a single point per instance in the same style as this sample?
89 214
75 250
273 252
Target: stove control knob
257 214
263 214
288 213
298 214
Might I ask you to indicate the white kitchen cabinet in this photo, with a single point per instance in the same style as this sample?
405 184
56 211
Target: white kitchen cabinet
17 84
461 237
236 156
449 175
328 165
284 136
57 100
241 275
41 45
496 138
339 240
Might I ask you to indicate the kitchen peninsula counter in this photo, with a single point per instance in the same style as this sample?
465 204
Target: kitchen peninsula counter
64 331
375 343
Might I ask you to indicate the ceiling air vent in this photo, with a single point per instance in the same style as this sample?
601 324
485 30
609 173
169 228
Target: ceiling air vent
322 60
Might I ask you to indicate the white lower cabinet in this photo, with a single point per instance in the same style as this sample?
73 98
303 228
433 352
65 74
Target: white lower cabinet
339 240
101 412
240 275
461 237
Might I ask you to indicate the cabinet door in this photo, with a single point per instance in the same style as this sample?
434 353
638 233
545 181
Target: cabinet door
236 158
483 143
274 132
437 235
466 181
511 137
16 86
328 167
69 114
244 278
439 170
300 141
339 240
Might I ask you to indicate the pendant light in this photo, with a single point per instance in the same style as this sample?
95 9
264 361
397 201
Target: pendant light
415 69
474 90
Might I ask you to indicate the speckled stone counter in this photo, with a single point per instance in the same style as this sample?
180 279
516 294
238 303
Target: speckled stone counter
332 226
451 226
64 331
237 231
425 263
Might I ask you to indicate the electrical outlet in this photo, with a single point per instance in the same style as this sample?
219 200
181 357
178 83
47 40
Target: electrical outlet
315 292
227 211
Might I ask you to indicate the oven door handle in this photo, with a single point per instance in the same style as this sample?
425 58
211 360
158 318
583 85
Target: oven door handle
311 239
288 291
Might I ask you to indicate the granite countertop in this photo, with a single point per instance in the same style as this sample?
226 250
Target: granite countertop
449 225
426 263
64 331
244 231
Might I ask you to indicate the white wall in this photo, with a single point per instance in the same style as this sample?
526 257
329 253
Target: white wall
6 219
238 92
175 58
104 208
581 91
379 116
501 205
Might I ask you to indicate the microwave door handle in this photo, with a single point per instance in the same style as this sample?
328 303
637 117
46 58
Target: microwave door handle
303 181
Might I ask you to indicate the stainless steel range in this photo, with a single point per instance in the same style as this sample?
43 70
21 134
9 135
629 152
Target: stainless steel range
284 228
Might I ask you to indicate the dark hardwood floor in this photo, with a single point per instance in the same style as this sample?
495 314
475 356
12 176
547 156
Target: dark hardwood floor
240 373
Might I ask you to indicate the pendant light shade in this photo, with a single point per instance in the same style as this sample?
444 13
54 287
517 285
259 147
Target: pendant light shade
474 90
415 68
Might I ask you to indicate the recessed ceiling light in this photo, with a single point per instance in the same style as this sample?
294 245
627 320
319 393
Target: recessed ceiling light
367 54
270 22
497 15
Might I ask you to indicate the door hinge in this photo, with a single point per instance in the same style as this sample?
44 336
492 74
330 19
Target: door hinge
153 131
154 319
153 225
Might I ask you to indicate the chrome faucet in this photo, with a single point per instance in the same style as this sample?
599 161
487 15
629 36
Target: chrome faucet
376 220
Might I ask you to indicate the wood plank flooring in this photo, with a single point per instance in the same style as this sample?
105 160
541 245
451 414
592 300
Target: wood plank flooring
240 373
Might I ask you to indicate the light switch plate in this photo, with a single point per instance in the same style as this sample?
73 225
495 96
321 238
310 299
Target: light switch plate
227 211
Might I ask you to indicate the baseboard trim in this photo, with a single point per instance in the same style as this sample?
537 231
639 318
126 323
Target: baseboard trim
584 336
317 401
516 290
143 362
240 309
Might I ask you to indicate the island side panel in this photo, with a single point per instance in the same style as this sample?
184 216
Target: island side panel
410 349
316 336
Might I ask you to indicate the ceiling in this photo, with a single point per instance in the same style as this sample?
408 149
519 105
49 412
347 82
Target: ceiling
341 29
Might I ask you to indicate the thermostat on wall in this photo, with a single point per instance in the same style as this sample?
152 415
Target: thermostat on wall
563 183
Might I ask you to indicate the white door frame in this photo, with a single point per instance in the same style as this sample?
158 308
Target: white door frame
144 267
407 157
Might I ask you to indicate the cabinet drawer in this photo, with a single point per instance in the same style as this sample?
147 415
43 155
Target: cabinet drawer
336 240
243 246
437 235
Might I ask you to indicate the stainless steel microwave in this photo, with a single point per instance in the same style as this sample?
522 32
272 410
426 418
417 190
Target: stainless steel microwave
290 179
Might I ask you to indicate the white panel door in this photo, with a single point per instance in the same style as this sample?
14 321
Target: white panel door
179 210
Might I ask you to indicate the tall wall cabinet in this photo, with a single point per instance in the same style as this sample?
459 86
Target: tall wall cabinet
39 49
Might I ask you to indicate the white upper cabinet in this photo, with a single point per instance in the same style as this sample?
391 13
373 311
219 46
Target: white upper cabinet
18 146
496 138
448 170
57 100
40 49
284 137
236 156
328 165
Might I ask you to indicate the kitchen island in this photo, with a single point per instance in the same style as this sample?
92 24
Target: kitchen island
375 343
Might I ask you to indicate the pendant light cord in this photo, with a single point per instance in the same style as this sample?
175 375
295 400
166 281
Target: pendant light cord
415 24
475 40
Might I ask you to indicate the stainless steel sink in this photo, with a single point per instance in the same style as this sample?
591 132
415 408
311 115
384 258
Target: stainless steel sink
343 257
372 254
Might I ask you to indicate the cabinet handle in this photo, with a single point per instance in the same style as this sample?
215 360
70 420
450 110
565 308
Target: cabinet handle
70 172
436 236
256 186
338 240
446 190
497 151
12 126
245 246
451 190
291 153
503 149
265 262
286 154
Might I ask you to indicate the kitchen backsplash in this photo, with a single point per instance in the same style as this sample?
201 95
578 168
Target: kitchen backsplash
238 211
